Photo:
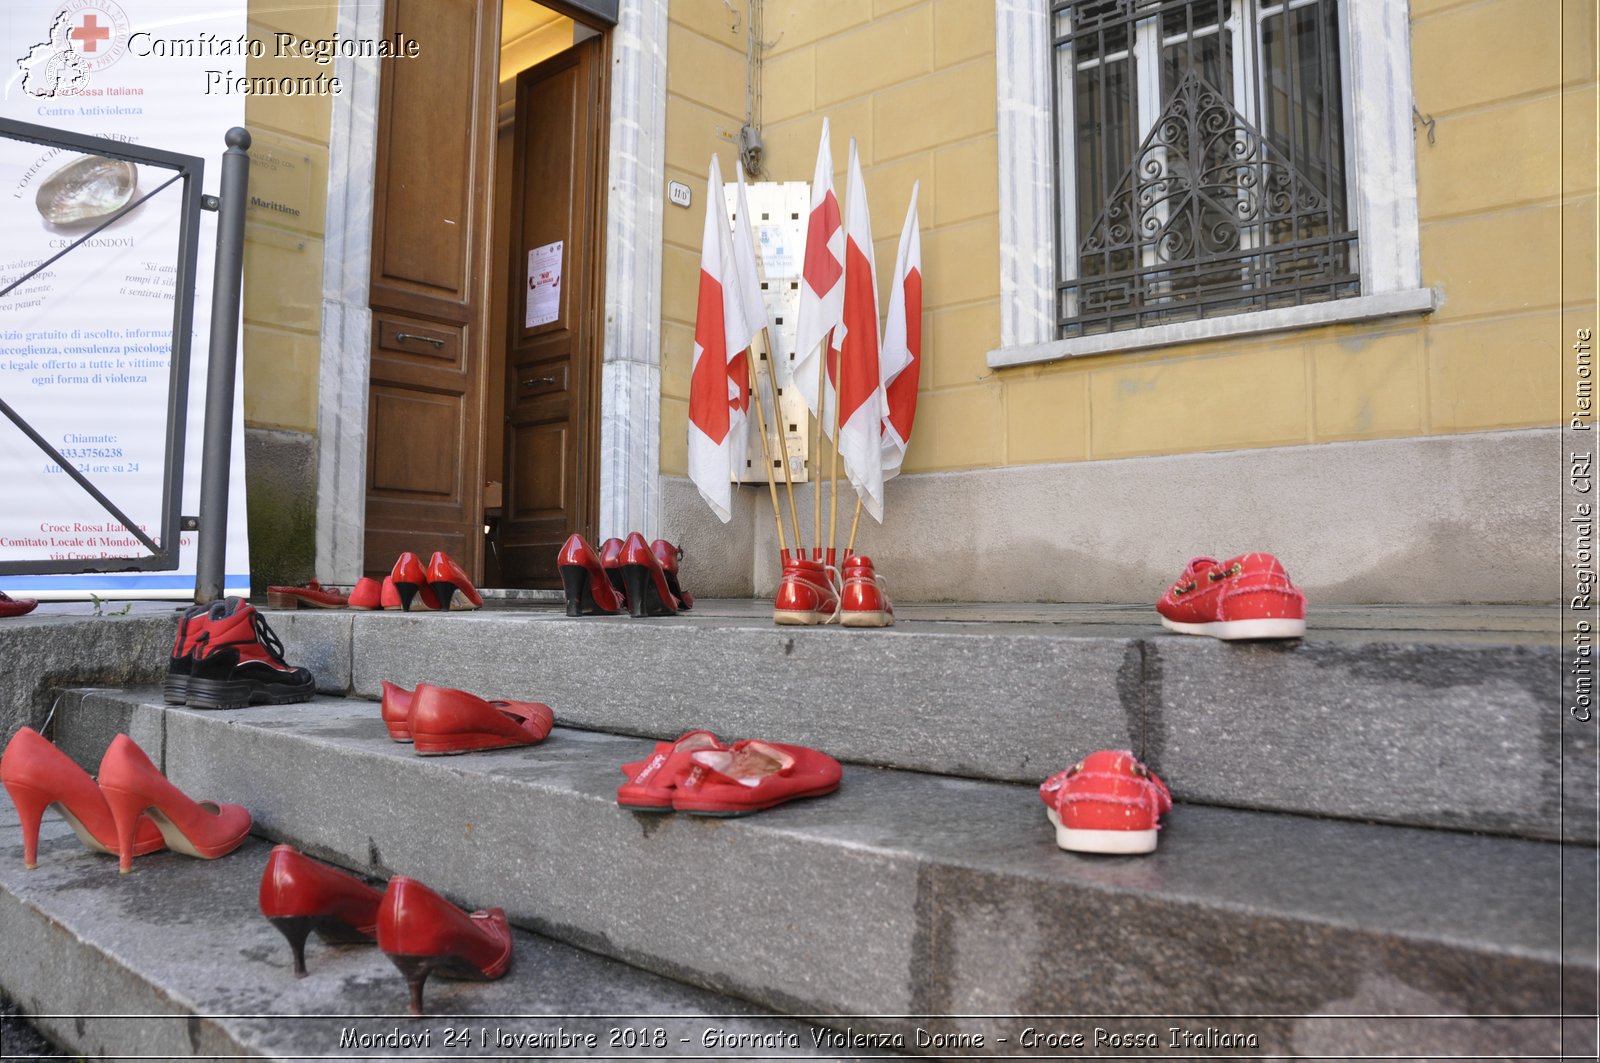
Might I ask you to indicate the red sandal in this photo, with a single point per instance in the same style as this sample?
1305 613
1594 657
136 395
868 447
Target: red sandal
751 776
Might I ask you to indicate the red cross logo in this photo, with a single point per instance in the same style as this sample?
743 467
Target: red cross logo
90 33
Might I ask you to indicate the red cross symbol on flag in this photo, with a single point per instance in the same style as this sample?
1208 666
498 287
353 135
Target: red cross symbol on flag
91 33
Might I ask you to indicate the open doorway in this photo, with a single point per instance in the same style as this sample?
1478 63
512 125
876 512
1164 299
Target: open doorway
483 430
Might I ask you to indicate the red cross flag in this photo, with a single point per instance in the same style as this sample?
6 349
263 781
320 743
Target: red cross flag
861 405
902 343
822 285
719 381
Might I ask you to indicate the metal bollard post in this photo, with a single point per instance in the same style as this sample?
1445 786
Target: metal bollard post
217 447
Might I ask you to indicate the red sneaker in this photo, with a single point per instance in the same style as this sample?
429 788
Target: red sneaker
1108 802
191 625
1247 597
238 661
864 601
807 593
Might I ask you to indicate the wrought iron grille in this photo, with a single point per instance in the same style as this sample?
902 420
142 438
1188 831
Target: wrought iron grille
1200 153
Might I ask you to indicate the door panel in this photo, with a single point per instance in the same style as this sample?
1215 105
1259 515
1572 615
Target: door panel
430 261
553 368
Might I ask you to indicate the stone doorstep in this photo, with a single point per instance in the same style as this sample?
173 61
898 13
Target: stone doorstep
950 894
1458 733
175 960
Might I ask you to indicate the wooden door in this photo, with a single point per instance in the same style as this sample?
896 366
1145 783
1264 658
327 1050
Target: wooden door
552 396
430 275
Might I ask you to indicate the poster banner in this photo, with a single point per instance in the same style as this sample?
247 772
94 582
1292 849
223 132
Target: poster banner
86 344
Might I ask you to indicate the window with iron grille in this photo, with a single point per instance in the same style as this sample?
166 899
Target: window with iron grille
1201 162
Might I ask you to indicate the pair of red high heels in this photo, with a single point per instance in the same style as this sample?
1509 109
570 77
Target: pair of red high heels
420 931
439 721
625 574
443 584
132 811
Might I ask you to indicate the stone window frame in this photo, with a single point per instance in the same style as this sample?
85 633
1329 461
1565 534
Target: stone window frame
1382 147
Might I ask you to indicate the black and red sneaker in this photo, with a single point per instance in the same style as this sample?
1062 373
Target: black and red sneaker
238 661
191 625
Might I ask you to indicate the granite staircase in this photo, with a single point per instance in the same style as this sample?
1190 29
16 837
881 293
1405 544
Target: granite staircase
1384 842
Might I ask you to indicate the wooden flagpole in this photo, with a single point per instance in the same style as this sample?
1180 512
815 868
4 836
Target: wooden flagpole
783 436
766 450
855 522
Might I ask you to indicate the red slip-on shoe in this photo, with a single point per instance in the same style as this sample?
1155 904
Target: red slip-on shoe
238 661
299 895
411 583
194 623
668 557
311 595
389 594
1108 802
423 934
652 783
611 561
751 776
450 584
37 775
1246 597
396 710
133 785
368 594
807 593
445 721
588 589
648 593
10 606
864 598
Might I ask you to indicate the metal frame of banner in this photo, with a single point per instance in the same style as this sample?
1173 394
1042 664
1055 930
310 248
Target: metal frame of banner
191 171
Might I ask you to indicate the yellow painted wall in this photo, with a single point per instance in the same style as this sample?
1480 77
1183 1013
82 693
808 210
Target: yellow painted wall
1510 83
283 252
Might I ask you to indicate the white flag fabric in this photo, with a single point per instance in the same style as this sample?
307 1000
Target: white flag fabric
719 379
860 385
901 361
821 286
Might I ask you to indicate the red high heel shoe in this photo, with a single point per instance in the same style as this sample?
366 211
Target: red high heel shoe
611 561
589 590
668 556
133 785
423 933
36 774
411 583
446 578
299 895
648 593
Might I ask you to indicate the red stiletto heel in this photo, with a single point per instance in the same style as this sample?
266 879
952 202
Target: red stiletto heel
132 785
299 895
668 556
584 579
648 593
446 578
411 583
422 933
37 775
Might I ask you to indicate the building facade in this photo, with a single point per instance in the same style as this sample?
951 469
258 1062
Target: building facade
1200 278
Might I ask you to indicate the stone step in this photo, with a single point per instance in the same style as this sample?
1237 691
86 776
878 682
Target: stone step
910 894
1440 717
174 960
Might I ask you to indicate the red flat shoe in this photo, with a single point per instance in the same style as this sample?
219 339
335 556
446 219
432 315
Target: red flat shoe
299 895
133 785
422 934
312 594
588 589
648 593
445 721
411 583
36 774
447 580
1108 802
751 776
668 556
367 594
10 606
396 709
611 561
652 783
